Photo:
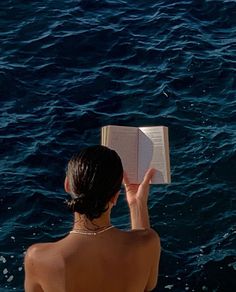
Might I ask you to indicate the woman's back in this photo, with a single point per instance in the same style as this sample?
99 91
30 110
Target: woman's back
111 261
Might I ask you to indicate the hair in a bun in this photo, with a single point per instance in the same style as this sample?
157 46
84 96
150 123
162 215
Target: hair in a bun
95 175
76 203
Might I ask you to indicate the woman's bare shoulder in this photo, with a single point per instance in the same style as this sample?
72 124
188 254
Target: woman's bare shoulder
41 260
148 236
42 255
38 249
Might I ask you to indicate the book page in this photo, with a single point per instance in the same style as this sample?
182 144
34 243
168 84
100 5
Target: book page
124 140
151 153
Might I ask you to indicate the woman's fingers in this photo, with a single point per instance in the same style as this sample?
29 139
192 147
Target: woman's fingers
146 180
125 179
148 176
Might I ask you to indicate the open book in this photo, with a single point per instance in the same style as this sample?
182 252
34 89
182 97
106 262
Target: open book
139 149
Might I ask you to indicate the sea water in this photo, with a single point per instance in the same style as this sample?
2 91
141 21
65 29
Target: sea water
67 68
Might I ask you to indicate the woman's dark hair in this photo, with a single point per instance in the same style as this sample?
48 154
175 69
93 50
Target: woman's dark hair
95 176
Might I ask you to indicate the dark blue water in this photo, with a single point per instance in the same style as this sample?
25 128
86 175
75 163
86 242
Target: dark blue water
68 68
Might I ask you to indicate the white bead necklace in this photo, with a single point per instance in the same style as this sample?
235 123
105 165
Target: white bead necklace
85 232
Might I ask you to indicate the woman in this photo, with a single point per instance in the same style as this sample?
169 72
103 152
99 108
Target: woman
96 256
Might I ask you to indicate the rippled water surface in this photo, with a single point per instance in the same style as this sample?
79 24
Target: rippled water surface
69 67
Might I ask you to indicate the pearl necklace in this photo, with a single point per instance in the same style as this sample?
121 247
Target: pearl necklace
85 232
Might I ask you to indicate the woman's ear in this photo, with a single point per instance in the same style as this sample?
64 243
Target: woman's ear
66 185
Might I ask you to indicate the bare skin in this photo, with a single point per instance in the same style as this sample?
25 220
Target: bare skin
114 260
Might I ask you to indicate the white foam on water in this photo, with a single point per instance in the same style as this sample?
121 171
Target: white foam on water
232 265
169 287
10 278
2 259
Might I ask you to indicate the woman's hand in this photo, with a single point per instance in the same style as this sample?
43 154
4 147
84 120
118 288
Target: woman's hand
137 197
138 193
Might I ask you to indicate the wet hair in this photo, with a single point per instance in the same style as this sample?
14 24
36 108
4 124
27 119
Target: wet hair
95 176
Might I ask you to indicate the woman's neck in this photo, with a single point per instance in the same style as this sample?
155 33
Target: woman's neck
81 222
